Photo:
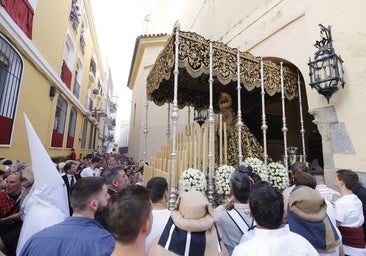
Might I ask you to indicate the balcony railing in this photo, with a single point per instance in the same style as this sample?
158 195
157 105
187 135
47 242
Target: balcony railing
66 74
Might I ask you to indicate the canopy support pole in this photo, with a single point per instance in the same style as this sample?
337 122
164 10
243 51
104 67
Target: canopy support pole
240 123
210 190
302 130
146 128
284 128
264 124
174 117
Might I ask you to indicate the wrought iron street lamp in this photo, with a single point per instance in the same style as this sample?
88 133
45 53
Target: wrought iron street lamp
326 71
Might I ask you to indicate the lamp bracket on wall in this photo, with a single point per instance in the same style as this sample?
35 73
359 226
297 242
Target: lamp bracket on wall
52 91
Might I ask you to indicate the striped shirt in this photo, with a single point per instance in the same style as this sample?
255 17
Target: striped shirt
327 192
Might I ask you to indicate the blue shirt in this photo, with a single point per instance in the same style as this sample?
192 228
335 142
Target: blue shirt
74 236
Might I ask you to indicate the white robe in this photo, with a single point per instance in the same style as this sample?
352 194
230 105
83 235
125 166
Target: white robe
47 202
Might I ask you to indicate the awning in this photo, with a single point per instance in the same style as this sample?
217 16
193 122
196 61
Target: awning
193 85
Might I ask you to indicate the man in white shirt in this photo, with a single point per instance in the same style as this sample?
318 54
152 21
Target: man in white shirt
349 213
270 239
93 168
158 190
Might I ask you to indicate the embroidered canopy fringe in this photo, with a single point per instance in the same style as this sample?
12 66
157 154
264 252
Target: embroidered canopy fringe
193 63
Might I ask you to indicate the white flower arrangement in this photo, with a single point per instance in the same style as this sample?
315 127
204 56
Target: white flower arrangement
222 179
192 179
258 167
278 176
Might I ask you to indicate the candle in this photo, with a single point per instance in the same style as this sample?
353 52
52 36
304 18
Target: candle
220 138
204 148
185 159
225 144
195 155
169 166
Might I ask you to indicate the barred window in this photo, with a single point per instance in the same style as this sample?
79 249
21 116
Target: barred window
11 69
59 122
72 127
85 128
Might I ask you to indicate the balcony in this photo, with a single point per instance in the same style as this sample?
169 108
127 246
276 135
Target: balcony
82 43
66 74
110 138
74 17
113 107
111 124
22 13
92 70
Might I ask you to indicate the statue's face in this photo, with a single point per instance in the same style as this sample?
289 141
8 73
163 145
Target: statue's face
225 101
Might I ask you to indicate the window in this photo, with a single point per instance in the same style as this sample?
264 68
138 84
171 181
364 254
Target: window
69 51
59 122
85 129
91 135
71 129
11 69
95 138
89 101
68 61
77 79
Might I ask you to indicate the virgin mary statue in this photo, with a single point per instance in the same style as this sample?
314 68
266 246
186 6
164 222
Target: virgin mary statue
251 147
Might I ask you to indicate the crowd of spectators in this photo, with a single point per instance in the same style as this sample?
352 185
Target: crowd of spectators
112 212
16 180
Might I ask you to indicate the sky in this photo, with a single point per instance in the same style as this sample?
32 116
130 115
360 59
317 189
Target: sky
118 24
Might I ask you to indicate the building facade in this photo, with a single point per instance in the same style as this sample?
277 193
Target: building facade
282 30
51 69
